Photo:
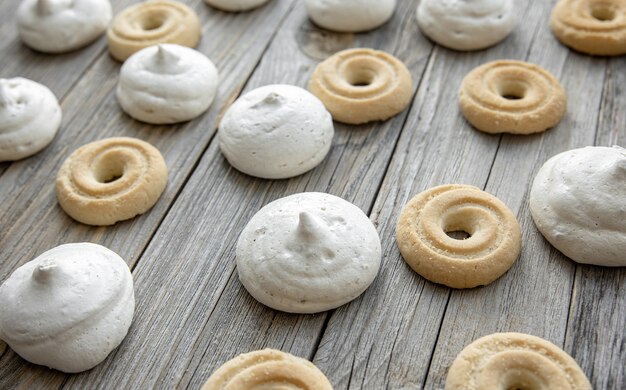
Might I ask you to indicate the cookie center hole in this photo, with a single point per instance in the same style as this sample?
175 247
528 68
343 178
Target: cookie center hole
108 172
458 234
153 21
603 13
361 78
512 90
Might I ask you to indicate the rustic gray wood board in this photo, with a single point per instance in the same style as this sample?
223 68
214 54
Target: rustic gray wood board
359 156
193 314
31 220
595 332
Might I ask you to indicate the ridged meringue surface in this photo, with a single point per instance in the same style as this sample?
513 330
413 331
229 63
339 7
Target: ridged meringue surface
350 15
308 253
57 26
235 5
166 84
578 202
466 24
68 308
30 116
276 132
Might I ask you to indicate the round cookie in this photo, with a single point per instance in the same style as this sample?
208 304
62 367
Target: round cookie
68 308
596 27
267 369
58 26
150 23
111 180
362 85
350 15
515 361
308 253
276 132
466 25
30 116
492 247
235 5
577 202
167 84
509 96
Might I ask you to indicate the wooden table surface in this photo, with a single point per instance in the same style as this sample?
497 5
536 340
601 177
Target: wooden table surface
193 314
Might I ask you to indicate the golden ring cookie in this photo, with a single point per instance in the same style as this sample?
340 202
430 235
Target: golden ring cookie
513 97
362 85
595 27
490 250
150 23
111 180
267 369
515 361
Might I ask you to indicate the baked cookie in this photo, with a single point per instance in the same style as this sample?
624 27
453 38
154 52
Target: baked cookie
58 26
167 84
350 15
362 85
492 247
111 180
150 23
308 253
515 361
30 117
507 96
578 203
267 369
596 27
466 25
276 132
68 308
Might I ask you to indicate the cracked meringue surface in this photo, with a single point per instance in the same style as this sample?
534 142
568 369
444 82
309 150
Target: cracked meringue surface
167 83
58 26
30 117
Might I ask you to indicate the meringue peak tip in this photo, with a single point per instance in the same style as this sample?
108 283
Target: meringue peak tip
309 224
44 7
164 54
5 97
44 270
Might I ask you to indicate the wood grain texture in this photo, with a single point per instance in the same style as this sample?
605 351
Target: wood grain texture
403 333
216 307
31 221
596 335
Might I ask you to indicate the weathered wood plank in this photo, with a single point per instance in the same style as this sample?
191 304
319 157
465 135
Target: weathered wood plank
596 331
180 344
390 346
31 221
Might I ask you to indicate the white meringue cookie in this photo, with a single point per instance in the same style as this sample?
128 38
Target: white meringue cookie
167 84
466 24
276 132
235 5
308 253
578 202
30 116
68 308
57 26
350 15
